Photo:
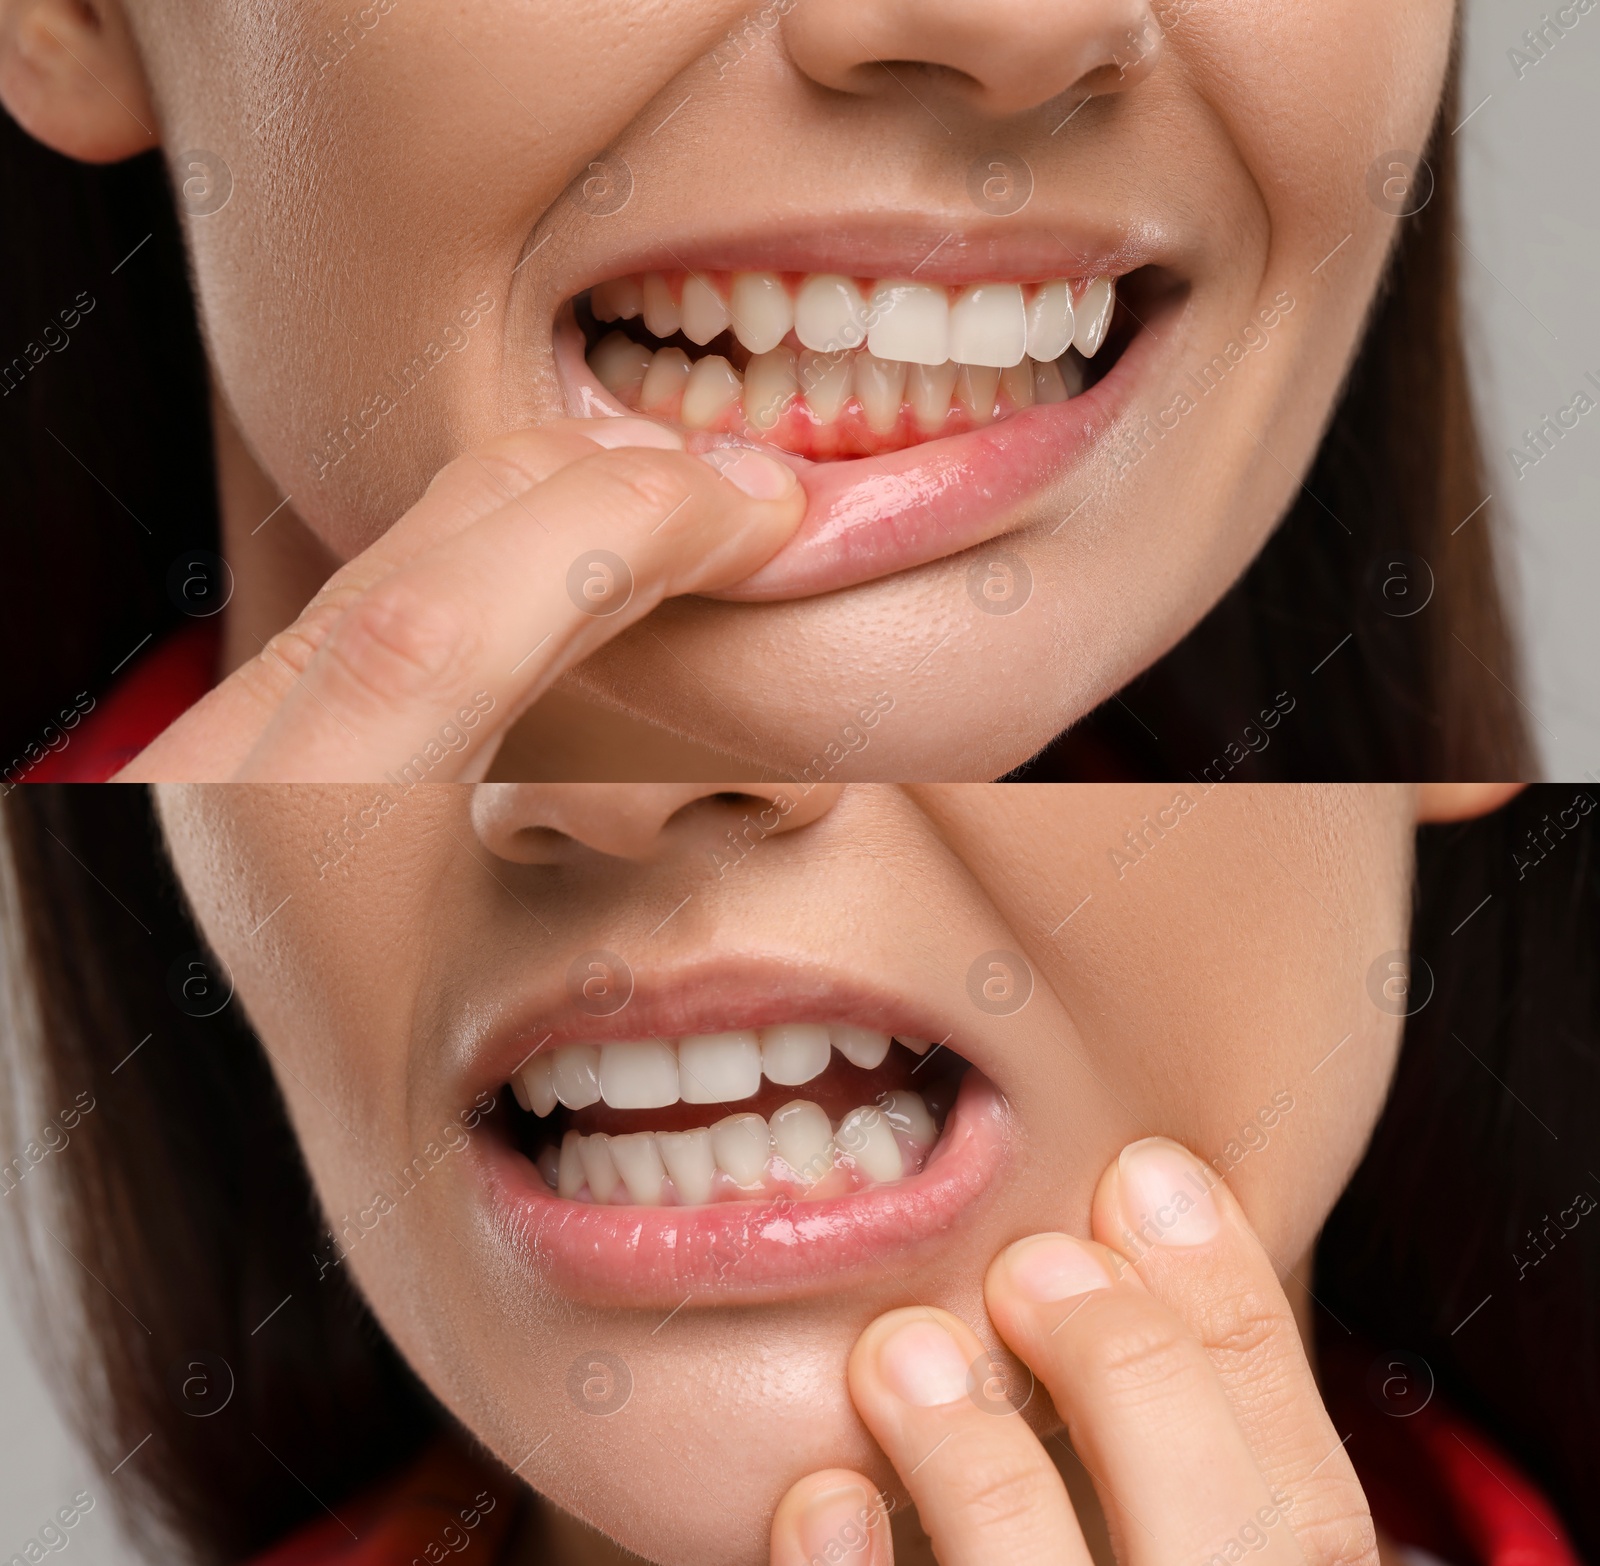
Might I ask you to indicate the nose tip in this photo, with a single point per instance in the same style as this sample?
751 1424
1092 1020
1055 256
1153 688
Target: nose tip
1002 57
539 823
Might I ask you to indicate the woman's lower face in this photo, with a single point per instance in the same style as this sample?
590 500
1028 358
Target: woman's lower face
871 265
652 1324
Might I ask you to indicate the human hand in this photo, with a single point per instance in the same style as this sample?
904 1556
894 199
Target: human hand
520 560
1170 1350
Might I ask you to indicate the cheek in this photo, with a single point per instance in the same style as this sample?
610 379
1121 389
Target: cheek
1224 993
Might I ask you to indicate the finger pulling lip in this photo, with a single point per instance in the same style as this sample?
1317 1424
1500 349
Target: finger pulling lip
873 516
644 1257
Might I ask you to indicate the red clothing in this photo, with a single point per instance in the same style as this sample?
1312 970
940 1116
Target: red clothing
422 1514
162 684
1435 1482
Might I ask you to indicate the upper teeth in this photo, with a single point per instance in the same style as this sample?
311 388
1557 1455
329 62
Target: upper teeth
992 324
706 1068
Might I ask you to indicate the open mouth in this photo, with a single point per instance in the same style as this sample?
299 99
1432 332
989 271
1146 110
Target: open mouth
923 414
829 366
720 1150
715 1118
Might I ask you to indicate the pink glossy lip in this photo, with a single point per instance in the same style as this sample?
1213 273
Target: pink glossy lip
869 517
665 1257
641 1256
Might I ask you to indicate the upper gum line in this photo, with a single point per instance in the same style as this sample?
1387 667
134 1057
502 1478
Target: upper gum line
720 1068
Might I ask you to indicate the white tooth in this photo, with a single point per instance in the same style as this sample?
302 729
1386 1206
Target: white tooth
639 1164
569 1172
620 299
977 386
687 1155
620 364
928 389
599 1169
548 1163
712 388
575 1074
1050 320
665 379
661 316
1047 383
794 1052
1093 316
769 385
864 1047
741 1144
916 1046
907 1114
988 325
520 1093
638 1074
910 322
880 387
704 313
830 314
802 1136
1071 368
761 310
825 382
538 1084
1017 384
719 1068
867 1136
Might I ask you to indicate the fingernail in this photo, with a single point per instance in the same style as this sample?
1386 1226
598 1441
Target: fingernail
1048 1267
760 477
1166 1194
611 433
836 1523
921 1364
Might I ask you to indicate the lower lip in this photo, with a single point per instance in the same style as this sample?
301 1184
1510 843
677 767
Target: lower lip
872 516
639 1257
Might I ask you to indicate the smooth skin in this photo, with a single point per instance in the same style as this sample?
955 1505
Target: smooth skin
393 162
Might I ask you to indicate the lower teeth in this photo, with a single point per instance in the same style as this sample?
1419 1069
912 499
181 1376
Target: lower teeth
800 1153
826 402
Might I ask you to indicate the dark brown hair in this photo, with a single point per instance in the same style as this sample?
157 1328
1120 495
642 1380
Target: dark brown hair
184 1200
106 448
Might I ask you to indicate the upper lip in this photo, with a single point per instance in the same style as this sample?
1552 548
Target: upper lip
869 244
700 995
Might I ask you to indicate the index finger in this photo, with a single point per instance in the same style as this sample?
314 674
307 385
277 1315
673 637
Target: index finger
1176 1220
485 622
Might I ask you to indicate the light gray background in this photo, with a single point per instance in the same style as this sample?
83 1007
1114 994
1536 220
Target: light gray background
1531 243
1531 262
